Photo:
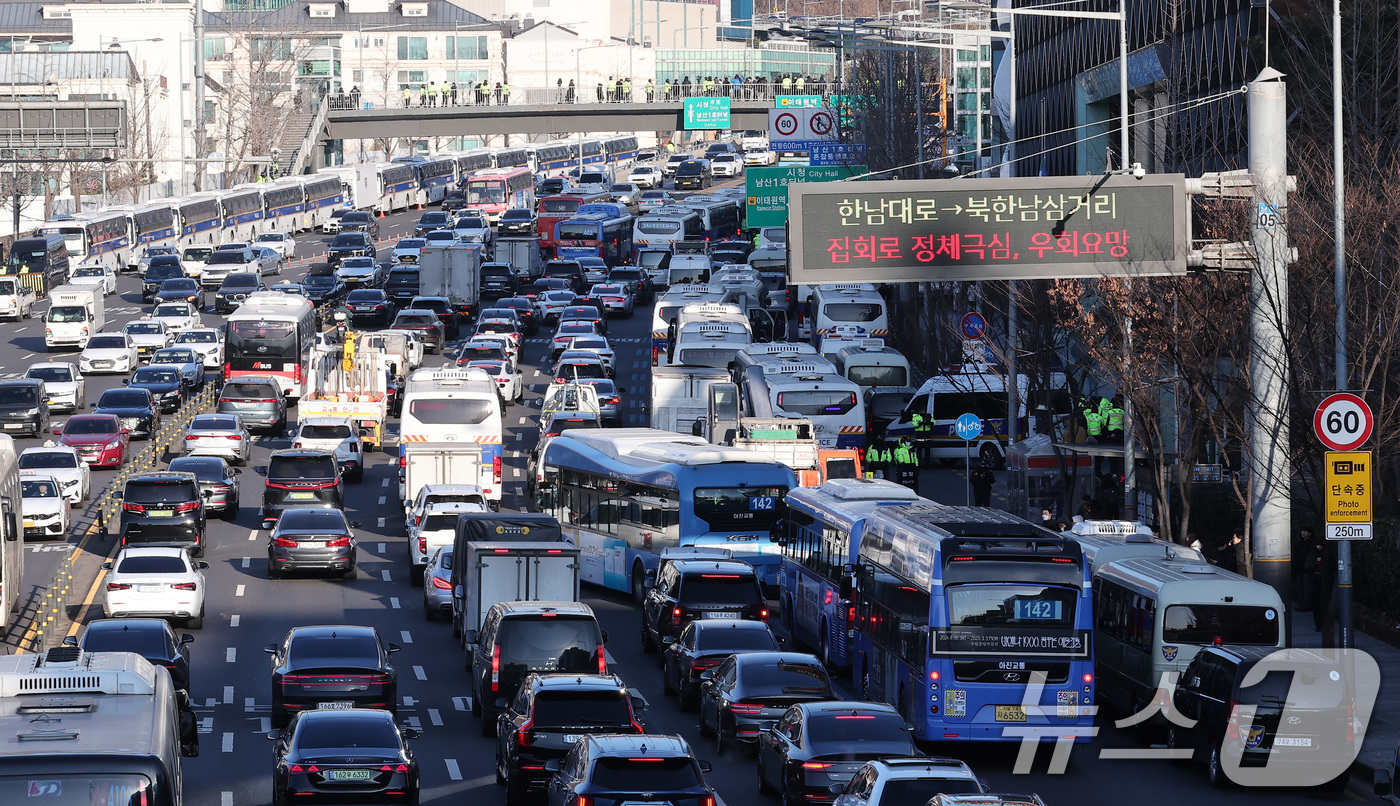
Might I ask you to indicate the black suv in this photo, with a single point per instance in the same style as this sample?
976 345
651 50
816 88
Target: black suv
151 638
297 478
630 769
402 284
1302 721
699 589
497 280
570 270
162 268
24 407
549 715
693 175
518 638
349 244
163 509
360 221
235 289
431 221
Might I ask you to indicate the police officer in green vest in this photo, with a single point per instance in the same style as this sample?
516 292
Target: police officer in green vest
1093 424
1105 405
800 84
666 89
651 91
442 93
709 85
1113 424
505 93
872 459
627 90
787 85
923 433
907 465
422 94
610 90
407 96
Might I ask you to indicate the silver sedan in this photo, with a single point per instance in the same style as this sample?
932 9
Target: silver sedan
218 435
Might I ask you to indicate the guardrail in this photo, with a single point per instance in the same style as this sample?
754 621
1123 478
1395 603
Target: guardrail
51 622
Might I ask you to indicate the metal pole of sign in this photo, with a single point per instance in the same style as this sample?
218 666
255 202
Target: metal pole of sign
968 472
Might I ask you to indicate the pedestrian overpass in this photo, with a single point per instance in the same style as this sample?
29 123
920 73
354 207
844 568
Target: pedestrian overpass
418 122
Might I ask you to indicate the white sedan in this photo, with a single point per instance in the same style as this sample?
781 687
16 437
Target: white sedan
63 384
206 341
46 510
64 464
760 156
280 242
177 316
509 379
98 276
154 581
108 352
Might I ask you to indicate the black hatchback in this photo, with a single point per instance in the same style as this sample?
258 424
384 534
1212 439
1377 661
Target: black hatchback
163 509
300 479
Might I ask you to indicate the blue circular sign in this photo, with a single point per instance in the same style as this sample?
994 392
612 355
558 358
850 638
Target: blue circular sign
968 427
973 326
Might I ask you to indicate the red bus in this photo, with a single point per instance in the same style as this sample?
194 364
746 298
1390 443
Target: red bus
495 190
561 207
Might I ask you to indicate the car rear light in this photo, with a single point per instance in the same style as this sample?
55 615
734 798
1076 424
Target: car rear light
746 710
815 765
403 461
183 586
763 613
495 668
324 486
583 800
135 509
234 437
677 612
284 542
1232 729
118 586
602 660
296 373
702 664
338 542
422 545
442 584
401 768
526 735
496 468
188 506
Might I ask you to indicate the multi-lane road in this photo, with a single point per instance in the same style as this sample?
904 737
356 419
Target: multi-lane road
246 612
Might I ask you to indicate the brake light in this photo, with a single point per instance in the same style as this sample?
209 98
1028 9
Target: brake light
183 586
763 613
227 369
403 461
188 506
442 584
583 800
234 437
705 663
1088 678
401 769
284 542
118 586
296 373
747 710
676 612
602 660
815 765
338 542
526 735
323 486
496 468
422 545
495 668
135 509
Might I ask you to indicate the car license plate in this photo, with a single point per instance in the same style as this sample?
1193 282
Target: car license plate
13 426
721 615
159 513
29 524
301 496
149 588
335 705
102 364
1281 741
1010 713
349 775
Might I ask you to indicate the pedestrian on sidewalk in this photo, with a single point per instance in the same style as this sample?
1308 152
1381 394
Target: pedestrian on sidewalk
982 481
1231 555
600 92
452 93
651 91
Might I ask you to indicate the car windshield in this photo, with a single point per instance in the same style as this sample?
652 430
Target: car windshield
164 271
155 376
90 425
410 243
516 213
239 281
307 648
151 565
433 219
201 337
326 431
313 520
415 320
558 644
726 638
123 398
179 284
52 374
145 328
47 460
29 488
783 677
468 222
489 367
647 774
159 492
230 256
106 343
567 709
205 468
348 239
198 253
344 732
144 641
172 310
901 791
301 467
318 280
175 357
90 271
357 263
26 395
271 237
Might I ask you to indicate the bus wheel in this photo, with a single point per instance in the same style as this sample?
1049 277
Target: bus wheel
639 583
824 646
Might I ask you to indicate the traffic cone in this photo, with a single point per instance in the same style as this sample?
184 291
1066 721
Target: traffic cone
381 213
420 205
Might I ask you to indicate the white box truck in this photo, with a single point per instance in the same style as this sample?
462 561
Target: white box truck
510 571
75 312
523 255
453 272
437 463
680 396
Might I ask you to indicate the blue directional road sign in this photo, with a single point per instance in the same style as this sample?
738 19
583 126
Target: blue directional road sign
968 427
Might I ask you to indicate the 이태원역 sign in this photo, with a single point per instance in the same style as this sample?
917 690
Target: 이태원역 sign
988 229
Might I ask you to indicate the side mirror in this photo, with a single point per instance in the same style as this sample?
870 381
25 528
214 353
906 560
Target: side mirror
638 704
1382 785
458 592
107 566
605 635
71 640
409 733
235 471
125 382
270 649
187 639
837 789
707 676
552 765
767 727
274 734
705 766
207 494
393 648
782 639
201 565
468 636
354 524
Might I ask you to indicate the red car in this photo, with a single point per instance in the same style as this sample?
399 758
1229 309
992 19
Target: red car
98 438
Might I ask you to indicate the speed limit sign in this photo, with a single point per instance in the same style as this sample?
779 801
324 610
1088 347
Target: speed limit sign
1343 422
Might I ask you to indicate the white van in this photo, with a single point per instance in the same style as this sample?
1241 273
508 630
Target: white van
681 395
857 304
75 312
1104 542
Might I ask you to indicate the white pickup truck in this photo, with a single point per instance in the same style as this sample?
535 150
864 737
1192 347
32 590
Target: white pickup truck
16 299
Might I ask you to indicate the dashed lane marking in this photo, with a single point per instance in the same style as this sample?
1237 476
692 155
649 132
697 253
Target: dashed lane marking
381 526
453 771
231 655
238 591
394 602
406 636
247 561
384 483
419 673
234 620
248 704
381 548
228 695
385 575
435 717
382 499
225 798
228 742
253 535
461 703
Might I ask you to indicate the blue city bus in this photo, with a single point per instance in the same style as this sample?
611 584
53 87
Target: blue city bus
624 494
820 536
959 610
596 230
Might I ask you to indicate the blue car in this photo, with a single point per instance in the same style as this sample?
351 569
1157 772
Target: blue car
165 383
135 410
189 362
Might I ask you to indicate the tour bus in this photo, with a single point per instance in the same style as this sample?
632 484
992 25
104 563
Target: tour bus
436 176
789 389
552 158
663 228
551 210
271 333
596 230
873 365
243 212
102 237
12 550
709 334
100 728
1104 542
680 395
461 405
323 194
624 494
1152 615
719 218
495 190
844 304
962 613
284 205
944 398
821 536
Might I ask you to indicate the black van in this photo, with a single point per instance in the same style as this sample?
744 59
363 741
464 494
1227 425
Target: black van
693 175
163 509
24 407
402 284
41 262
301 479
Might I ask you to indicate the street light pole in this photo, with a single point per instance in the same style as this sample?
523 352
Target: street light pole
198 93
578 82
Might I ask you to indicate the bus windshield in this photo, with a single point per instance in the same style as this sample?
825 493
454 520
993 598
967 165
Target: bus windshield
731 508
1010 606
578 232
815 402
878 376
486 192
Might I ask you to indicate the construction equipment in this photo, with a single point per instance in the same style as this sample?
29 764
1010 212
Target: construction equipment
350 383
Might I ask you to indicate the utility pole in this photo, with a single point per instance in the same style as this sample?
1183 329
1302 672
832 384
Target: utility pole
1339 291
1271 506
198 94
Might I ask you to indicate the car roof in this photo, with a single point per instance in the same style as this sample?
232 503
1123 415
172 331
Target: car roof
647 744
535 608
699 566
153 551
37 473
22 382
297 453
126 625
575 682
160 477
330 630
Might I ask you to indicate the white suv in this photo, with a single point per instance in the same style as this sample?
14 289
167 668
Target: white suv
435 529
669 169
908 780
335 435
726 165
645 176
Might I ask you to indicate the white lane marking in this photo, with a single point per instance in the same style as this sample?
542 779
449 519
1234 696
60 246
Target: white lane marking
461 703
228 742
381 526
206 725
247 704
435 717
27 357
264 724
394 602
238 591
608 656
382 499
210 702
381 548
247 561
384 574
228 695
231 655
225 798
253 535
384 483
453 771
234 620
419 673
406 636
409 702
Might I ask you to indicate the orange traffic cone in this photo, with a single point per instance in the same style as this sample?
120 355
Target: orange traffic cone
381 213
420 205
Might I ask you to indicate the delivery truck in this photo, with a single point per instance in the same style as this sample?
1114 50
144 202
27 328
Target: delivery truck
75 312
511 571
427 463
453 272
523 255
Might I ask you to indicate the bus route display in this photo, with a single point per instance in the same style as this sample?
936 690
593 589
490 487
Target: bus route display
988 229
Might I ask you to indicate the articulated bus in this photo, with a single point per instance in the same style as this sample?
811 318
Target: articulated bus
624 494
596 230
94 237
495 190
272 333
560 207
821 536
962 613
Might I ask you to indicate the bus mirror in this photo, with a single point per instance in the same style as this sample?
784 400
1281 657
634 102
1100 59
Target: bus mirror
847 589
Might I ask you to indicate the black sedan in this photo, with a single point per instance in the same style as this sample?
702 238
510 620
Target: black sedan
135 409
311 540
151 638
524 311
333 667
814 747
620 769
218 483
426 324
517 221
354 756
322 287
370 306
181 289
742 694
165 383
349 244
704 644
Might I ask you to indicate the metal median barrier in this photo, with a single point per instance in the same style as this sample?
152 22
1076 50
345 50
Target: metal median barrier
55 616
